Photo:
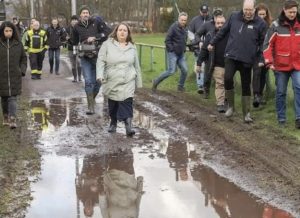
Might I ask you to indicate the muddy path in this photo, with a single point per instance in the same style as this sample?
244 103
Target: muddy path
257 158
185 160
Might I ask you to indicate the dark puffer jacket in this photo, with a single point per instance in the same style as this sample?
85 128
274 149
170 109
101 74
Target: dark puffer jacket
12 65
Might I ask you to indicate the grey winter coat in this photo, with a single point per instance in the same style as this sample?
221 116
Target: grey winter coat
119 70
13 65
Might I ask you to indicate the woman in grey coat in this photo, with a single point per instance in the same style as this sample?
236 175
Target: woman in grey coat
119 72
13 66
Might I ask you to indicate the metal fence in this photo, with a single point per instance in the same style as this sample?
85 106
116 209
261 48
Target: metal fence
152 47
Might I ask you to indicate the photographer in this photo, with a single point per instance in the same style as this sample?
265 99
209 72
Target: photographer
89 33
75 64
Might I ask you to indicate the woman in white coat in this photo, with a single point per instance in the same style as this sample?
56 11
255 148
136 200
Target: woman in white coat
118 70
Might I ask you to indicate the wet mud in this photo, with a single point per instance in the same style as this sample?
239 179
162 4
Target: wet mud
184 161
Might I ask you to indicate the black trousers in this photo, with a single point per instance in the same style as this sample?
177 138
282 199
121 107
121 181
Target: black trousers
259 79
120 110
36 62
231 66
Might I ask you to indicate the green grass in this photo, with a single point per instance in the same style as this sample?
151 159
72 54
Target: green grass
265 115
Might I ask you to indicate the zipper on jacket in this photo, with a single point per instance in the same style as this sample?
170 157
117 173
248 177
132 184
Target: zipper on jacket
8 73
241 28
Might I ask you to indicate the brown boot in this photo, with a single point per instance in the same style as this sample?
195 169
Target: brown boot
13 122
5 120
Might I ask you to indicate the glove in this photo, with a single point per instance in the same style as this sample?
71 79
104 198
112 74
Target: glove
23 74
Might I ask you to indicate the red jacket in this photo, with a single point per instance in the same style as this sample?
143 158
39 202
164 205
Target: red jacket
282 45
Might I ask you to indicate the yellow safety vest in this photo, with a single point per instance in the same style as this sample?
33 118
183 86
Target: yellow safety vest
36 41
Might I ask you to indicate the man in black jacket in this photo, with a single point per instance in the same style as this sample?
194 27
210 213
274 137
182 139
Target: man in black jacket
215 63
90 31
56 35
195 25
246 35
175 46
72 50
200 35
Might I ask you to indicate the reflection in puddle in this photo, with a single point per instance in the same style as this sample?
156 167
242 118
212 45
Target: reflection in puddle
161 177
50 115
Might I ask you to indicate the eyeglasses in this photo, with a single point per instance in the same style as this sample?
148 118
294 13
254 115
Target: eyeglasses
248 9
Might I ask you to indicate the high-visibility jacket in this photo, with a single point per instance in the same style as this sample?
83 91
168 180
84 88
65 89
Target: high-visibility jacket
36 41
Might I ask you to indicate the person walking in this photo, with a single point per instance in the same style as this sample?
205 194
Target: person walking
13 66
215 60
72 50
246 33
36 46
89 33
201 34
19 25
260 71
175 46
195 25
281 53
119 71
56 35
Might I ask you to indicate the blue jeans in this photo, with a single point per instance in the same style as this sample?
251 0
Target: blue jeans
9 106
54 54
173 61
282 79
199 76
88 66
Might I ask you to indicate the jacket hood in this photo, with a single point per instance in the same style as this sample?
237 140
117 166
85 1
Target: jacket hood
116 43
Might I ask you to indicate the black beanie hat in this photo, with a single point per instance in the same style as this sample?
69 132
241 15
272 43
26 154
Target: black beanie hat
74 17
84 7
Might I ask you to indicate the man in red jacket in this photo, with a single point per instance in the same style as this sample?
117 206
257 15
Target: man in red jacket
281 53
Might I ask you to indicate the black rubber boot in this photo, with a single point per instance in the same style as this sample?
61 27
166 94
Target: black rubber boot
128 127
246 109
229 95
74 75
91 104
79 73
112 126
256 100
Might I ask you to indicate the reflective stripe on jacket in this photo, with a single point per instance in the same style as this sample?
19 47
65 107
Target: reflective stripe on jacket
36 41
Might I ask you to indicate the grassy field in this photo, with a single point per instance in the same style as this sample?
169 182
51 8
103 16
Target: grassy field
265 115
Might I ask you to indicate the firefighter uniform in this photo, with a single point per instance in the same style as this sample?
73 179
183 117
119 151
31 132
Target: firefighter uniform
36 46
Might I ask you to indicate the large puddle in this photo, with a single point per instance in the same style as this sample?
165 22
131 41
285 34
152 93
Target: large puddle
158 176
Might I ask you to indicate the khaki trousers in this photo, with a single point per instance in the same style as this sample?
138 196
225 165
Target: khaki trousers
218 75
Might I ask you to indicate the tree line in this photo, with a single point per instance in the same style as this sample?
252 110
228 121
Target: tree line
156 15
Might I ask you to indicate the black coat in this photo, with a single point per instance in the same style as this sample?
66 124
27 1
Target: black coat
211 56
12 65
94 28
245 37
56 36
176 39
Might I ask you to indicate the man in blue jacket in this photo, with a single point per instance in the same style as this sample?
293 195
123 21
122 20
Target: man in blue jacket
175 46
246 35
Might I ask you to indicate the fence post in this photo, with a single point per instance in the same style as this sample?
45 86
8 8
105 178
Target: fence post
166 59
151 59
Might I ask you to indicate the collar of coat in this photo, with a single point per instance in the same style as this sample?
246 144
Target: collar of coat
11 43
282 20
116 43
